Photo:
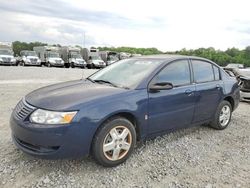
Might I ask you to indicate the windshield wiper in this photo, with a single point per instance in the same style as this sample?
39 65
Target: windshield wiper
90 80
106 81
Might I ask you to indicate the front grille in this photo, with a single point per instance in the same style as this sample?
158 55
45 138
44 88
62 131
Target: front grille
246 84
33 60
6 59
22 110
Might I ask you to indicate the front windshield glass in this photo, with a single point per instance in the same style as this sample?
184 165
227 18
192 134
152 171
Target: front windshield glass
76 56
5 52
96 58
53 54
30 53
126 73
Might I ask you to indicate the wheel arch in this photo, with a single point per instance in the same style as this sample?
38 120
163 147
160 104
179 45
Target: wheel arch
129 116
230 100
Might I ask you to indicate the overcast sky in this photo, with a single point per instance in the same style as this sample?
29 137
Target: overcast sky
164 24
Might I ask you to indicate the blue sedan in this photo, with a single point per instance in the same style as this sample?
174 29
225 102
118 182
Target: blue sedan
134 99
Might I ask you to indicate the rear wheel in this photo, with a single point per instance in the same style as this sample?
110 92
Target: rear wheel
114 142
223 115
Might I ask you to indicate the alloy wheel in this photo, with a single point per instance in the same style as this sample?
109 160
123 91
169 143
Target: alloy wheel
117 143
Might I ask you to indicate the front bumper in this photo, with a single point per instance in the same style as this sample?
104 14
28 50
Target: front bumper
7 63
33 63
245 96
54 142
80 65
57 64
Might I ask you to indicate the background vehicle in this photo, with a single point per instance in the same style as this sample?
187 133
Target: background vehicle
243 77
6 54
28 58
236 66
92 58
49 56
72 57
124 55
109 57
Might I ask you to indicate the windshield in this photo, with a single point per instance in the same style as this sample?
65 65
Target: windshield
30 53
126 73
76 56
96 58
53 54
5 52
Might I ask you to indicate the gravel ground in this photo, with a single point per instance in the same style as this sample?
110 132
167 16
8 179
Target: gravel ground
194 157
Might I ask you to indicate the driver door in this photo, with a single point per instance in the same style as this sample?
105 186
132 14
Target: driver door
173 108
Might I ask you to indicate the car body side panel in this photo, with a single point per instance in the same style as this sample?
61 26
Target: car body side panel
208 96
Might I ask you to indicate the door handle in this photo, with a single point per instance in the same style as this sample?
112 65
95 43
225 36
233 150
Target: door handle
189 92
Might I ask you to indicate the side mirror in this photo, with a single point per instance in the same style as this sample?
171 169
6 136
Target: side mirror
161 86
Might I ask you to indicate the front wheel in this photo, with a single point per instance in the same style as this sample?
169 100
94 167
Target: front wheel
114 142
222 116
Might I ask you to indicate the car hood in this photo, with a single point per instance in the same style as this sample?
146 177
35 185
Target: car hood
69 95
7 56
55 58
32 57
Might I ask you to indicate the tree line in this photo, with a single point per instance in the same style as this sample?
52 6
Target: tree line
222 58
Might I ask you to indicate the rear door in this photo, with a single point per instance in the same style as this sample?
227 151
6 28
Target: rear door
208 89
173 108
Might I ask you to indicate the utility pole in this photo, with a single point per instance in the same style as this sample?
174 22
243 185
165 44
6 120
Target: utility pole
84 39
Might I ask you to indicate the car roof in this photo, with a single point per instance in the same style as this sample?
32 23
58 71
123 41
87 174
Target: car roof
168 57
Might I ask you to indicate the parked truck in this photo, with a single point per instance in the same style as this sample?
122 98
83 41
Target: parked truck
92 58
6 54
109 57
29 58
72 57
49 56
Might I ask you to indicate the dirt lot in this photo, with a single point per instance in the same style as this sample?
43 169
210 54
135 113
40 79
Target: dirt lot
195 157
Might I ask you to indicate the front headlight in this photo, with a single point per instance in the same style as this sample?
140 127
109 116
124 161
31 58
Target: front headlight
13 60
39 61
51 117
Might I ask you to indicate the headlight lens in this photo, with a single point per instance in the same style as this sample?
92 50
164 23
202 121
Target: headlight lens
51 117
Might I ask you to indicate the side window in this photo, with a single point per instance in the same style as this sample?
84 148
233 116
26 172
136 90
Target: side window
216 73
203 71
177 73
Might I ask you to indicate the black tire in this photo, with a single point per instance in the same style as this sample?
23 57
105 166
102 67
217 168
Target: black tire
103 134
216 123
72 65
48 64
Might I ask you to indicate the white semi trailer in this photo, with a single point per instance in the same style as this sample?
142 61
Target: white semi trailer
49 56
6 54
72 57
